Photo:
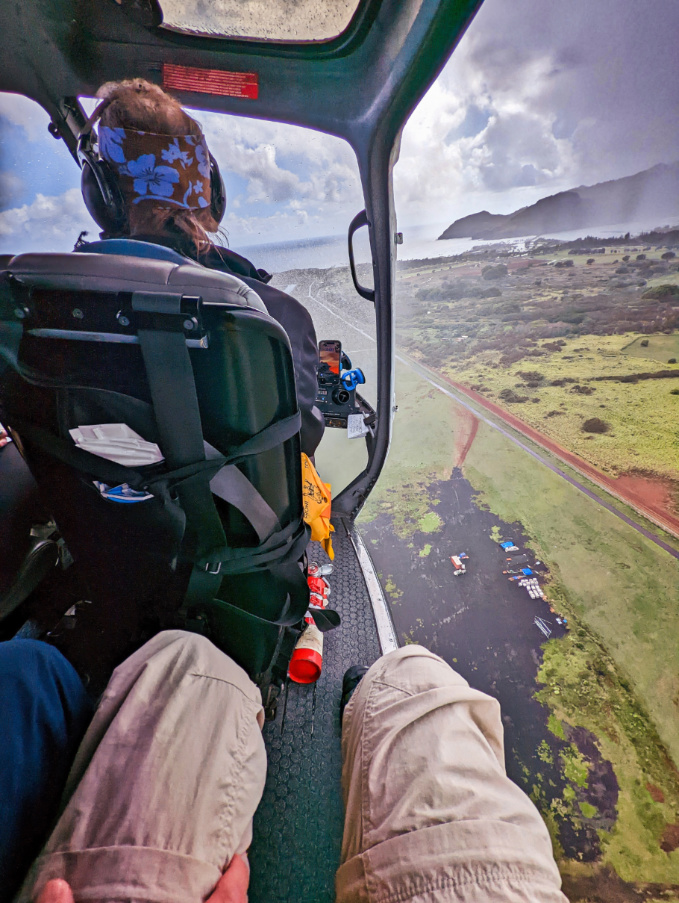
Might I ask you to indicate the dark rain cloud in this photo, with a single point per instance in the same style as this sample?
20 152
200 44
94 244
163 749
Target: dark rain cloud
609 72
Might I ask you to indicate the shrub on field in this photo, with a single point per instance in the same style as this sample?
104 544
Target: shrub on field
672 360
531 376
510 396
591 260
674 391
644 343
641 257
490 292
494 271
559 413
668 255
659 292
626 258
622 269
508 359
583 390
595 425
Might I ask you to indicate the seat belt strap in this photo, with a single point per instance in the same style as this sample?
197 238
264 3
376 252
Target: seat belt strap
175 402
271 436
234 487
180 432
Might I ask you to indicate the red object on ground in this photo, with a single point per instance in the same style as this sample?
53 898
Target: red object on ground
211 81
317 585
307 659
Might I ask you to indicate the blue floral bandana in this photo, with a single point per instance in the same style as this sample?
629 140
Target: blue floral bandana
159 168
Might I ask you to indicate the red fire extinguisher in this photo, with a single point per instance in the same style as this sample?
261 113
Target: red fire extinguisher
307 659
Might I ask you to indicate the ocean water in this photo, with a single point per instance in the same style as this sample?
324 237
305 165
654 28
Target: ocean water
332 251
419 242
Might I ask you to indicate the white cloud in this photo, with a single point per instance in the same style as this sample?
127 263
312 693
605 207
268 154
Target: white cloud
539 98
47 224
10 188
284 164
26 113
505 144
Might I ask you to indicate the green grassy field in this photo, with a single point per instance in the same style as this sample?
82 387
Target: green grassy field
643 416
617 673
660 348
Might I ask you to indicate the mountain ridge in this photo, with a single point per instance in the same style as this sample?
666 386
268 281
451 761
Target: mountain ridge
653 192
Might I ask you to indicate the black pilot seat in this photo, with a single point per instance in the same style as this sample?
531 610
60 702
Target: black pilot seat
209 535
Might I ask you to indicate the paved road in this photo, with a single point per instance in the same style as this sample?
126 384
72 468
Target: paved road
461 399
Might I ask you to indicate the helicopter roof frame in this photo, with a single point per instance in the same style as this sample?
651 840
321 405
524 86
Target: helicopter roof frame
360 86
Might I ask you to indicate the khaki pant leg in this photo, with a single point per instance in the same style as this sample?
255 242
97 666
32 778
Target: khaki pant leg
430 813
166 781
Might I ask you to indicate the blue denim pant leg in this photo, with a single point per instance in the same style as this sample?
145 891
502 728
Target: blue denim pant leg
44 712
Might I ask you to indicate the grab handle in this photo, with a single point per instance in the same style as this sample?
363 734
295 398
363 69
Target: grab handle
361 219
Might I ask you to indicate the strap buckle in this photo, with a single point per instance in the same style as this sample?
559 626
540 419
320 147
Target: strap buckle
209 570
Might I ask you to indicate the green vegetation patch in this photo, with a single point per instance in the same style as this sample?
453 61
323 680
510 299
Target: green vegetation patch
587 809
575 766
659 348
392 590
585 687
429 523
664 290
641 417
555 726
401 491
544 753
425 551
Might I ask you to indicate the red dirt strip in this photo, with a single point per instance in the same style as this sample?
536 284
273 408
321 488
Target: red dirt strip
470 427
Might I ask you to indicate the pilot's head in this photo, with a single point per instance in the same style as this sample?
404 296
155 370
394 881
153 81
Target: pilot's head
153 174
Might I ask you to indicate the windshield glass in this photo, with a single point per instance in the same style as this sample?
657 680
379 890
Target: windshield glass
537 331
304 20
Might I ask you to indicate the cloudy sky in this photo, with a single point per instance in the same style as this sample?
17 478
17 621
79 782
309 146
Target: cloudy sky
540 96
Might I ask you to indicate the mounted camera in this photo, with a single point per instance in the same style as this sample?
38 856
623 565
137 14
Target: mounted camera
337 381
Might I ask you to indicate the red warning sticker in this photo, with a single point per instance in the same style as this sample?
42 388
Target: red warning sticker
211 81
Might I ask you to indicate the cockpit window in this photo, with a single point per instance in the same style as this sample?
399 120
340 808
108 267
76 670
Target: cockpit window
268 20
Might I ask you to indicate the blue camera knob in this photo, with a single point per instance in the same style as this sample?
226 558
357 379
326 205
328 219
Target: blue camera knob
352 378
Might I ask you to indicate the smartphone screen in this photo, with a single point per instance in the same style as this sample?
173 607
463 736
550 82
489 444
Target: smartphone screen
330 353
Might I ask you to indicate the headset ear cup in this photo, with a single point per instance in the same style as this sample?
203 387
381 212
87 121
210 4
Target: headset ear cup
217 191
102 195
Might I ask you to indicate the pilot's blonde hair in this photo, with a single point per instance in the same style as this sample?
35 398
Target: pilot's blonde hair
138 104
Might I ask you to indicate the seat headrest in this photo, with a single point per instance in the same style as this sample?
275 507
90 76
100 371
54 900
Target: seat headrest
117 273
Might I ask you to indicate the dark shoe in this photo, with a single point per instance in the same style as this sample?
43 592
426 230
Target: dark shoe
352 678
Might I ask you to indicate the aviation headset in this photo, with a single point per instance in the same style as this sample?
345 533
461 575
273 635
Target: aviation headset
101 189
